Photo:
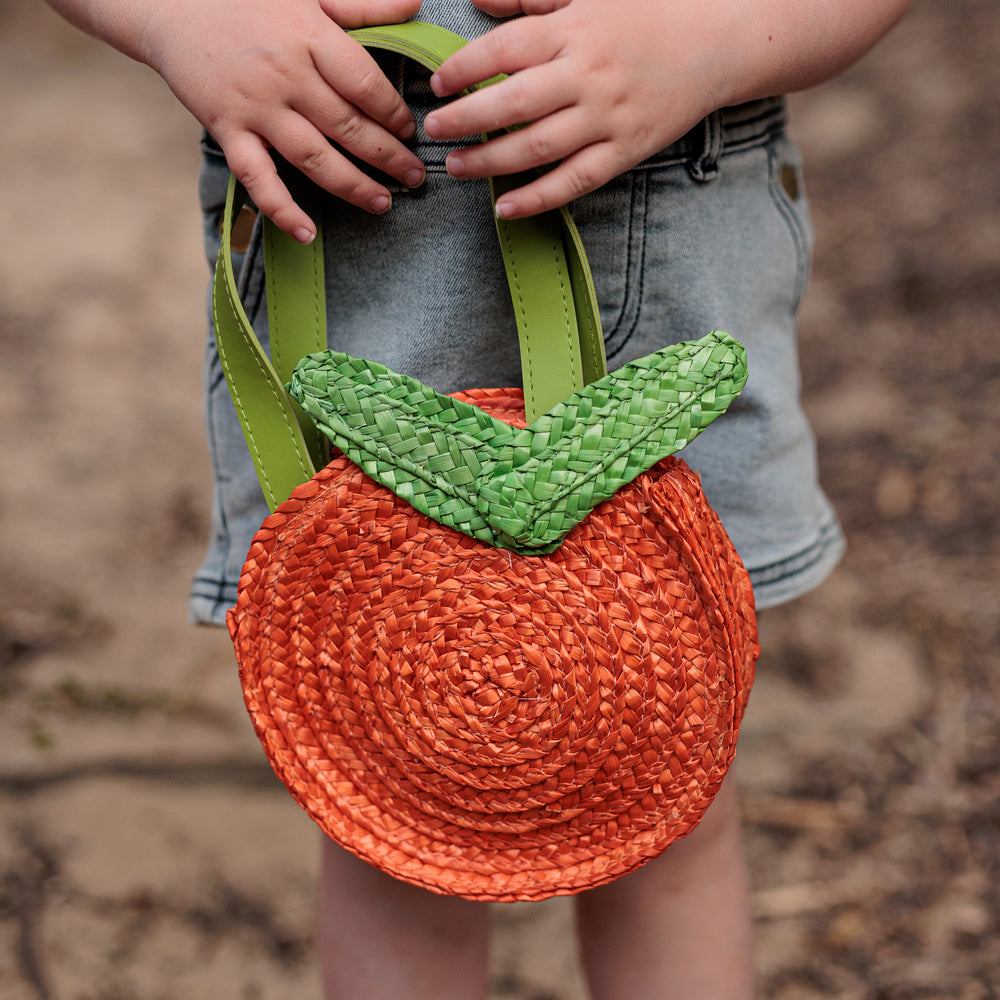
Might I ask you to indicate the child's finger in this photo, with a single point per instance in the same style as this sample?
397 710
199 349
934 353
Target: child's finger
576 176
544 142
362 13
307 149
507 8
521 98
253 167
310 152
509 48
333 117
350 71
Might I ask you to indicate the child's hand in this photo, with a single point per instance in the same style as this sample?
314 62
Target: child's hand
603 84
283 74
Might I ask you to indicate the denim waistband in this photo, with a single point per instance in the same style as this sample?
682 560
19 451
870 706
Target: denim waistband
727 130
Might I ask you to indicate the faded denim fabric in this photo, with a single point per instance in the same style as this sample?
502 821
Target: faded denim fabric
711 233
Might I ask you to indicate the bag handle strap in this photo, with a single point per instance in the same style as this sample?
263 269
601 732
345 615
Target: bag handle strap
296 304
546 264
558 320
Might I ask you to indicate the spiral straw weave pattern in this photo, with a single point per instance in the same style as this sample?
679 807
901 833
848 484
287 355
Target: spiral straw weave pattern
487 724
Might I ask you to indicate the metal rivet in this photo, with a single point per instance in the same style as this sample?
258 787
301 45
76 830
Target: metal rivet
789 178
242 229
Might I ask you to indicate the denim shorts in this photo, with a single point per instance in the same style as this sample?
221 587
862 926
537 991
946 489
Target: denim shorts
711 233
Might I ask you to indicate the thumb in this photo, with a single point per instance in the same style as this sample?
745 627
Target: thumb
507 8
365 13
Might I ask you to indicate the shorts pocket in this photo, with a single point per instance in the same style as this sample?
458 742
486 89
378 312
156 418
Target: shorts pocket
213 183
788 194
612 225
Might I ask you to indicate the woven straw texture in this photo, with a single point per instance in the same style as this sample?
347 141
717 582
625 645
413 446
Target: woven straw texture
520 489
488 724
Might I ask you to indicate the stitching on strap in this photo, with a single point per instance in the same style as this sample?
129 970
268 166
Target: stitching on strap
527 361
556 244
238 401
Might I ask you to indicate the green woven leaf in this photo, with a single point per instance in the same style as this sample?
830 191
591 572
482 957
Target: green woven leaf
521 489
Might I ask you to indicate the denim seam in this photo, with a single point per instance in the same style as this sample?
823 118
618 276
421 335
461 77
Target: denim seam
801 561
618 338
220 595
755 139
224 553
787 211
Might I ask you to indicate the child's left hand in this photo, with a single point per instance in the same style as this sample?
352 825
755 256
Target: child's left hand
603 84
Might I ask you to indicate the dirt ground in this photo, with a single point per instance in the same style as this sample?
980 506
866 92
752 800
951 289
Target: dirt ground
145 850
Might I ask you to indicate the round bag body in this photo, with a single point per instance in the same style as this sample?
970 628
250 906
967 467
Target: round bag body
487 724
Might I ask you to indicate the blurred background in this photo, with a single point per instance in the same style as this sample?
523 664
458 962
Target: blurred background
145 850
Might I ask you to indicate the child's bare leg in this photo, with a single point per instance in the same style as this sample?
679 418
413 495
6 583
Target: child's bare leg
678 927
381 939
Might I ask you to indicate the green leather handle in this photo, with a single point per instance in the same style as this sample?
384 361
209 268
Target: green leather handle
272 426
559 330
546 265
296 307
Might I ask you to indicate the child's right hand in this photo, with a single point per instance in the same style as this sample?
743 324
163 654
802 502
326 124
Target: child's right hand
283 74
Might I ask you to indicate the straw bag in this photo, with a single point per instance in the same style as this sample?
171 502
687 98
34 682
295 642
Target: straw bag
500 646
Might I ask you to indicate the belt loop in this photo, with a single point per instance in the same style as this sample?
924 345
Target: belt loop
706 167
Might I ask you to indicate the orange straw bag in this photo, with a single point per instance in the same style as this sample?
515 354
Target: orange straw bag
497 659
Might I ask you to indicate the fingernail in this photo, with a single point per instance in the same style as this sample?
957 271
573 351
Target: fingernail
304 236
415 177
455 165
436 85
381 204
505 210
408 131
432 127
